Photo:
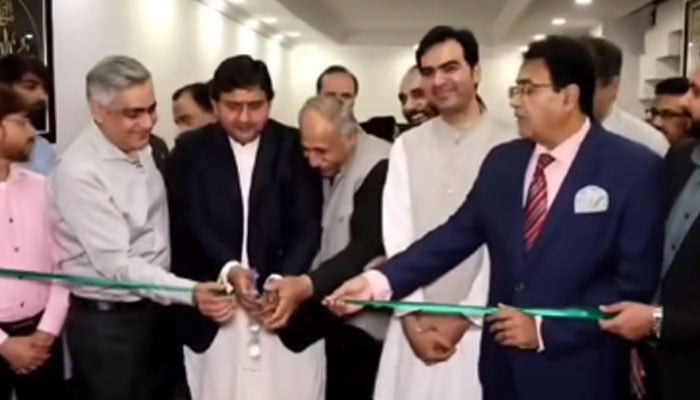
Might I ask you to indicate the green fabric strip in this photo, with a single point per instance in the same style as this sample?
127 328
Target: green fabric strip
476 311
87 281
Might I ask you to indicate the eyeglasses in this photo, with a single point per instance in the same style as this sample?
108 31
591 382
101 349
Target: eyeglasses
526 88
665 114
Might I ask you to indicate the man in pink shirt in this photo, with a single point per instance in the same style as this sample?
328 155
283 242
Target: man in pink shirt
31 313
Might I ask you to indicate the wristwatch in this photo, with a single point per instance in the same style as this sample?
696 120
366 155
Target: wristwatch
657 317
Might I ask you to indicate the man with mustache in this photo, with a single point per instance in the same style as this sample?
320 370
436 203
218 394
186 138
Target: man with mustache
673 319
31 313
668 114
414 102
29 78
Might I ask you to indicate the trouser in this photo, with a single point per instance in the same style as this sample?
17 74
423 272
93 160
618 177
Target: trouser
46 382
352 358
118 350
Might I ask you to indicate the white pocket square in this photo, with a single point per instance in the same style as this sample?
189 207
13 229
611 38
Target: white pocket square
591 199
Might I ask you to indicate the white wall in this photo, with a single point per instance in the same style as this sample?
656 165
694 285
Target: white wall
380 69
180 41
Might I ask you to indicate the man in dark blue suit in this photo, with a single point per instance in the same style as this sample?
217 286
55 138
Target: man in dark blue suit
572 216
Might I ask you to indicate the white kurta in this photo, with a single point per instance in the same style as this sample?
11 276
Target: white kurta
628 126
402 376
226 371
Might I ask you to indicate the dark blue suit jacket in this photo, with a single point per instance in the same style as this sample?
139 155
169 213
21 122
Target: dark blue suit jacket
580 260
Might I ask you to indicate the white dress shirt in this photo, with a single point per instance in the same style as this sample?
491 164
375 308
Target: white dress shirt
628 126
111 219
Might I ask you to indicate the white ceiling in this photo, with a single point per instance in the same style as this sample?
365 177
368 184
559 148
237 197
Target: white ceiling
403 22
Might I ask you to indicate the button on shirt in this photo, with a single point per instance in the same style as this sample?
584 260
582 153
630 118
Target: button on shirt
27 244
111 217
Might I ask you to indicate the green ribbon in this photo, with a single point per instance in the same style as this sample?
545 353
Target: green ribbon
87 281
477 311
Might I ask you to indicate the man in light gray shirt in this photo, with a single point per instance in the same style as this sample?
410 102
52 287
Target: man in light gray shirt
111 217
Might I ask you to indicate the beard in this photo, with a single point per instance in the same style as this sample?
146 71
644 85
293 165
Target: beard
37 117
18 154
694 130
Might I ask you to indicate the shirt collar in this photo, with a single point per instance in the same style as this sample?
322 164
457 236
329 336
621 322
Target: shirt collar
566 151
16 173
107 149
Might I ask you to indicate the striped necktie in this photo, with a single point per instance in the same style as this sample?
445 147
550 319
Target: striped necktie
536 204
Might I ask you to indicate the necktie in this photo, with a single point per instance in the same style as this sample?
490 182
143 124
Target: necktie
536 204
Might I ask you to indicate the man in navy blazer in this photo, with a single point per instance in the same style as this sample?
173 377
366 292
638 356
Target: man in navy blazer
572 216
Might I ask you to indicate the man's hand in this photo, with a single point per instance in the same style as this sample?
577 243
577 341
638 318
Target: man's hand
514 329
22 355
242 280
291 292
450 327
43 340
357 288
632 321
429 345
213 302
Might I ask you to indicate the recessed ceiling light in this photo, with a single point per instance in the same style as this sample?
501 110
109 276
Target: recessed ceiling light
558 21
293 34
523 49
539 36
269 20
584 2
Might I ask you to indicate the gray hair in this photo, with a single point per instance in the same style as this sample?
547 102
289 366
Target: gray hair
332 109
112 75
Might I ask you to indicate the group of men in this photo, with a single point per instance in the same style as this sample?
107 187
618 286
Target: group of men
245 245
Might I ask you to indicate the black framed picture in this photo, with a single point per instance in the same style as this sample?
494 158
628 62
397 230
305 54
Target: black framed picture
25 28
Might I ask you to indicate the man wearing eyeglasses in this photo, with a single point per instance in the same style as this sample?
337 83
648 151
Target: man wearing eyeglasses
572 217
668 114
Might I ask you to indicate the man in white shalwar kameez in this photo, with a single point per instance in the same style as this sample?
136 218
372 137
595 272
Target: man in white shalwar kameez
431 169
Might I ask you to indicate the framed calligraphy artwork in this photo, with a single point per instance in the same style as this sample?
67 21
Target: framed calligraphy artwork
25 28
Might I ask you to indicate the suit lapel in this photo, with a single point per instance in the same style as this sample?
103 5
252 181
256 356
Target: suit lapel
515 208
580 172
224 166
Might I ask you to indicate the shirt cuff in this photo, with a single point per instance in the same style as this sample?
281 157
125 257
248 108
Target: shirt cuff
3 337
225 271
538 327
378 282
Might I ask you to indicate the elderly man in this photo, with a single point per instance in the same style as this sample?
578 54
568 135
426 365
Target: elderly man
111 219
353 165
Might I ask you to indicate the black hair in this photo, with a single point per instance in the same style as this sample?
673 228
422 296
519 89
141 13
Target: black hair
241 72
672 87
607 58
11 102
336 69
13 67
569 63
200 94
443 33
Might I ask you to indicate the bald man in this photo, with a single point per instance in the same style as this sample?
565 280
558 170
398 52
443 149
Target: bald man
414 102
674 318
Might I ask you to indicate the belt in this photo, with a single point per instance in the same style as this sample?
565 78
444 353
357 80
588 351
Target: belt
107 306
13 327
